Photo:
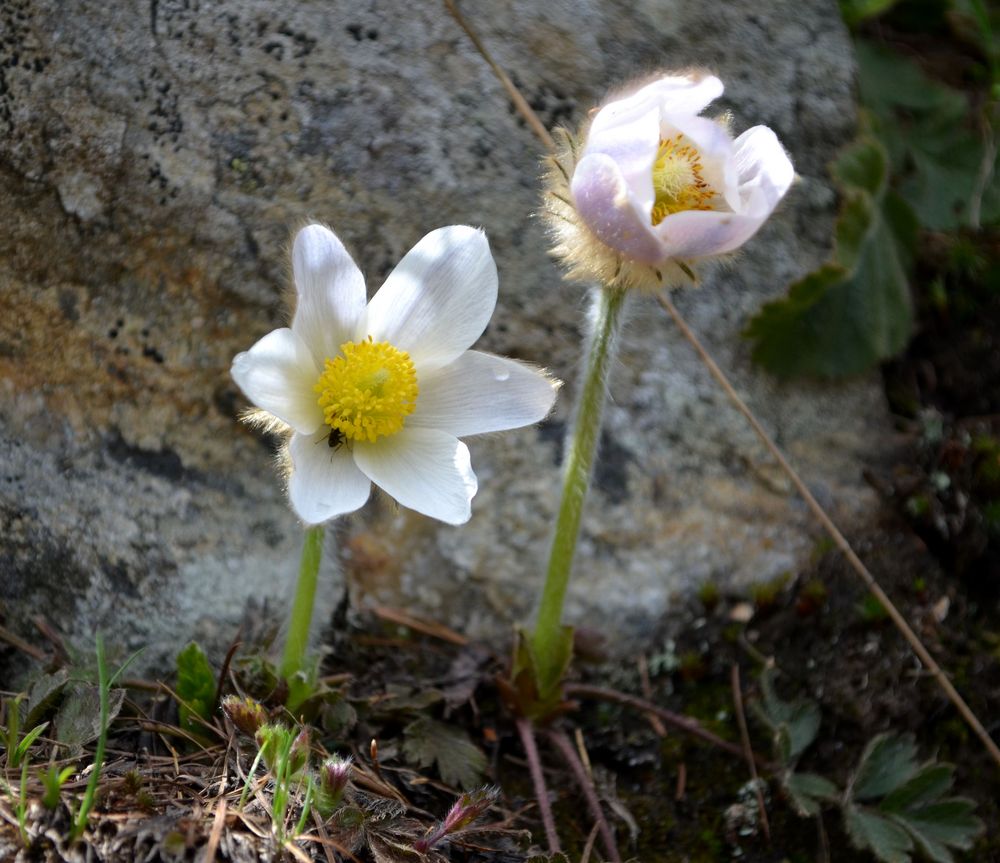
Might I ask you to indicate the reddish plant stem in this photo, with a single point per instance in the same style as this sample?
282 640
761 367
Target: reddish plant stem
562 743
527 734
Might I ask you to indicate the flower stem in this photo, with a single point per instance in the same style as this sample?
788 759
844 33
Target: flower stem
302 609
581 447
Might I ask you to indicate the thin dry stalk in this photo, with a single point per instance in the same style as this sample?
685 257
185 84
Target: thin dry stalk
213 838
647 693
523 108
741 720
589 846
565 747
838 538
527 734
22 645
677 720
324 837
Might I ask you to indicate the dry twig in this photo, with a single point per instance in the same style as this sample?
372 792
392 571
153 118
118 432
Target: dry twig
741 720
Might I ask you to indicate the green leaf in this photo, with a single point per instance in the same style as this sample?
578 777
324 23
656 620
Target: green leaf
887 764
42 697
856 11
912 797
885 839
929 784
950 822
459 761
795 724
936 147
855 310
808 792
27 740
78 721
195 687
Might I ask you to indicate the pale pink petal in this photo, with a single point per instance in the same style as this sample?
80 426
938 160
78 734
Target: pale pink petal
698 233
331 292
632 147
605 203
278 375
325 482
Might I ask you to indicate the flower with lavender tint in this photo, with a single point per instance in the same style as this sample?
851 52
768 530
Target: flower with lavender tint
653 187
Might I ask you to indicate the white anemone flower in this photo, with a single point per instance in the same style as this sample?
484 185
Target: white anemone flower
382 392
655 187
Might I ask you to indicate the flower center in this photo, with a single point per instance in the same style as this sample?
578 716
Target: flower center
368 391
677 180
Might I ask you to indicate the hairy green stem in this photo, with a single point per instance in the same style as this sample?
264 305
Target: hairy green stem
302 608
578 463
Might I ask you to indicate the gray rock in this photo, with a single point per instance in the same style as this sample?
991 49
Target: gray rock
154 159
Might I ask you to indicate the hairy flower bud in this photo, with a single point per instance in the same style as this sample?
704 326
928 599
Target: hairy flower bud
465 810
334 775
245 713
651 187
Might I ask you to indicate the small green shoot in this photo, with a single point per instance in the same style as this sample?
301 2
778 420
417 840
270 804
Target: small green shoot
765 594
17 749
53 780
709 596
104 684
286 755
871 610
22 804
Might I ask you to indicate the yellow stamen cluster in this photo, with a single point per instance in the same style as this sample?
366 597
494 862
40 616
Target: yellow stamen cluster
368 391
677 180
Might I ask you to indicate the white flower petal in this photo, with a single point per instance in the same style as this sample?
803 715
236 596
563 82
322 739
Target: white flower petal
481 393
426 470
698 233
325 482
438 299
278 375
604 201
674 94
331 292
761 162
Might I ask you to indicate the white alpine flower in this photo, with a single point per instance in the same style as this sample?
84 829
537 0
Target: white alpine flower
382 392
654 187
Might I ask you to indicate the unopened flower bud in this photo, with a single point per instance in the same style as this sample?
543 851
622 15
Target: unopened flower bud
466 809
651 187
334 775
271 739
245 713
298 754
